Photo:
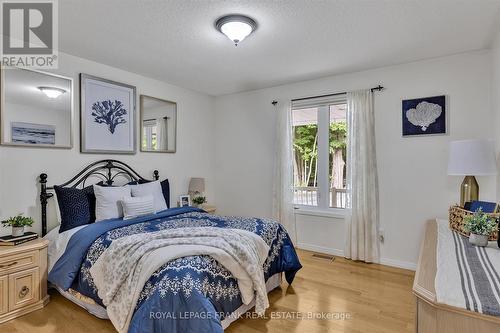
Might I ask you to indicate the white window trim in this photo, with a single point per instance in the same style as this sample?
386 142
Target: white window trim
339 213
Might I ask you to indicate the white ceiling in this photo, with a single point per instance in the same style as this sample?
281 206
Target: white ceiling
175 41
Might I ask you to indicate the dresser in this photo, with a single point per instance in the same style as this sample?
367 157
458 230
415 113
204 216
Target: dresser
434 317
23 279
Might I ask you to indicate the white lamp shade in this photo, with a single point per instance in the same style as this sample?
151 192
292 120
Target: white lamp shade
196 185
472 158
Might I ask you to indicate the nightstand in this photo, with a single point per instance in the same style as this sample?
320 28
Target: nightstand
209 208
23 279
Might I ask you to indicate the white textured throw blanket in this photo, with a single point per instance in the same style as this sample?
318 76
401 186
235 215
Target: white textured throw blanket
467 276
124 267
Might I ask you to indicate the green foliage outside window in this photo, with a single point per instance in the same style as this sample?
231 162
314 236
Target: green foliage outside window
305 145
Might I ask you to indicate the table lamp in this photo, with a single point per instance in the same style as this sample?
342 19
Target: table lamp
471 158
196 186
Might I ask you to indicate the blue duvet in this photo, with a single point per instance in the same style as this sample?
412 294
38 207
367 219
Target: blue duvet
190 294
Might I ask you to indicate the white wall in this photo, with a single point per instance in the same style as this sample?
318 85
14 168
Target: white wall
20 167
414 186
495 95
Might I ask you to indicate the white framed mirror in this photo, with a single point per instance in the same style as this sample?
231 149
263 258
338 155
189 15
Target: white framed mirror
158 125
36 109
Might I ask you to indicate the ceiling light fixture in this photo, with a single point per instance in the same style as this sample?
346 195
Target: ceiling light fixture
236 27
52 92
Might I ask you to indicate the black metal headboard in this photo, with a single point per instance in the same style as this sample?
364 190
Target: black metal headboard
106 170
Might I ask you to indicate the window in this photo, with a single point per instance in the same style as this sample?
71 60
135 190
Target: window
319 151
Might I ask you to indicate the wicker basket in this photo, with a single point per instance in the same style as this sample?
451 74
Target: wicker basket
456 221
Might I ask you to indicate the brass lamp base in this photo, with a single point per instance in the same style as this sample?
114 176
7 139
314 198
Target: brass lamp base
469 191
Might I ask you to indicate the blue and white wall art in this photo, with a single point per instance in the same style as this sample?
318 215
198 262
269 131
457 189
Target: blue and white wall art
424 116
107 113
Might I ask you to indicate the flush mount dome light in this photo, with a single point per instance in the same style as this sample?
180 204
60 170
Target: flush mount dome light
52 92
236 27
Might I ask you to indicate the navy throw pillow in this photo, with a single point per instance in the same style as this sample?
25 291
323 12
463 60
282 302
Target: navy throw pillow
137 182
165 188
77 206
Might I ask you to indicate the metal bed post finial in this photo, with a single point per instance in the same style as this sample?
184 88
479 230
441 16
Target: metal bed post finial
44 196
109 166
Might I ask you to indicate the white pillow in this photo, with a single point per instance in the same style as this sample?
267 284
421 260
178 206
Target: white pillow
107 201
151 188
137 206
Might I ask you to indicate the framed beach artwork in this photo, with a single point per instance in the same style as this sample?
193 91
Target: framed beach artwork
107 111
37 134
424 116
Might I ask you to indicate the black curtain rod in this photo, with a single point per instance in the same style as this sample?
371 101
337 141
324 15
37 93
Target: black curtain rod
378 88
166 118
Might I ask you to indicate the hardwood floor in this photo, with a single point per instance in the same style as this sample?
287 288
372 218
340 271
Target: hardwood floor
377 298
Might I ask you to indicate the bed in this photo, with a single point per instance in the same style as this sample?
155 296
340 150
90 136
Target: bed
190 293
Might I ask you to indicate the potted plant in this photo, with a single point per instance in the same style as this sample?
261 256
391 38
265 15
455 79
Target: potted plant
18 223
199 200
480 226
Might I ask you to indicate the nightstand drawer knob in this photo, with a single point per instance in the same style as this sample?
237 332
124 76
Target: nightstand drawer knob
24 292
9 265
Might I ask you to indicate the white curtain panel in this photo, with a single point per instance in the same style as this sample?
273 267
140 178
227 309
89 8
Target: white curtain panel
362 218
162 134
283 170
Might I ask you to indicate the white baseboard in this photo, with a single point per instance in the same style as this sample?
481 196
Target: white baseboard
398 263
340 253
320 249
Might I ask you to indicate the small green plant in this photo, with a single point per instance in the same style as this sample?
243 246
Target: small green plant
199 200
480 223
18 221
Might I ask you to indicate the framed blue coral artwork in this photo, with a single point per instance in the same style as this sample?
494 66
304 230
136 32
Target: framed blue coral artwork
424 116
107 111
